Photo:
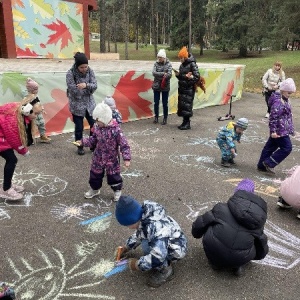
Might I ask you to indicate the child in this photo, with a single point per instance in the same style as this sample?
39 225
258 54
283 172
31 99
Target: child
6 292
32 87
162 239
110 101
14 119
290 191
233 231
107 139
279 145
226 137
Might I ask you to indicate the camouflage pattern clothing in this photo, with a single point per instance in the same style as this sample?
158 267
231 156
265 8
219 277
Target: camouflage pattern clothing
165 240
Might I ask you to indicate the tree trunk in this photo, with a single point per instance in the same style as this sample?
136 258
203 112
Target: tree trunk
102 26
243 51
126 26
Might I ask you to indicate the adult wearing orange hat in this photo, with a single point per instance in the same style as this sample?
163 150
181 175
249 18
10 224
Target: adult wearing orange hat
187 76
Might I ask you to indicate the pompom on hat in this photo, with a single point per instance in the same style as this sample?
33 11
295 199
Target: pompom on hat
246 185
128 211
183 53
32 86
242 123
102 113
80 59
110 101
288 85
162 53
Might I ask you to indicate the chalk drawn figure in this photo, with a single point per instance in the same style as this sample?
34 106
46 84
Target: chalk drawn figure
199 210
144 132
141 151
98 223
4 214
132 173
203 141
201 162
52 279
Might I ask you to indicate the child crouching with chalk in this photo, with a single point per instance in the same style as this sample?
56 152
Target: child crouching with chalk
160 236
226 137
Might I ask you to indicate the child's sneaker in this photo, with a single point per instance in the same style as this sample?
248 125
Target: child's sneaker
231 161
117 195
91 193
161 276
44 139
281 203
268 168
18 188
10 194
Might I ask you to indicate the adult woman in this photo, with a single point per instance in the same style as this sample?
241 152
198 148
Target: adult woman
162 72
187 76
271 82
81 83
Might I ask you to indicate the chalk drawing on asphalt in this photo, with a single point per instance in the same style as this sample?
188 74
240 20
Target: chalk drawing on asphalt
141 151
296 136
52 278
202 162
4 214
132 173
149 131
260 188
203 141
98 223
199 209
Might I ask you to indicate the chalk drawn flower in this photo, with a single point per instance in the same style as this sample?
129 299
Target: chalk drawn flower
52 279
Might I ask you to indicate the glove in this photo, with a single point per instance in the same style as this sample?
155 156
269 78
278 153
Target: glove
133 264
27 153
123 251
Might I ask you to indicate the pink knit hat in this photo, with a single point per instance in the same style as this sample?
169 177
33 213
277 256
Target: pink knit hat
288 85
32 86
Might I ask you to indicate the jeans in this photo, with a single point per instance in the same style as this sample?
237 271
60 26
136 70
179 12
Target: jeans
164 98
78 121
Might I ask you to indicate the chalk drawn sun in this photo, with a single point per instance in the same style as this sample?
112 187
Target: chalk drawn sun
53 280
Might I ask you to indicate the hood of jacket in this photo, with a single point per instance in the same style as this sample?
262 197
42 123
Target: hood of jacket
152 211
248 209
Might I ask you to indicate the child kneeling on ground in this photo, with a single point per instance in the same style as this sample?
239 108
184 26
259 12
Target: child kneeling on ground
160 236
226 137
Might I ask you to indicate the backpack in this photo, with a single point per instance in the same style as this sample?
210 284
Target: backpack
201 84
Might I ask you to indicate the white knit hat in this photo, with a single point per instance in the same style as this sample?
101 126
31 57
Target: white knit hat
102 113
110 101
288 85
162 53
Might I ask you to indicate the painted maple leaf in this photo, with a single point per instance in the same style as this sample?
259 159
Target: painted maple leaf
15 82
79 9
127 96
228 91
19 3
25 52
61 33
57 112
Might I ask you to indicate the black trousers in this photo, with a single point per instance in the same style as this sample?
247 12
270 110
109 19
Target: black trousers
9 167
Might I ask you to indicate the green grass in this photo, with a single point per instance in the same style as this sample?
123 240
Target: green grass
256 64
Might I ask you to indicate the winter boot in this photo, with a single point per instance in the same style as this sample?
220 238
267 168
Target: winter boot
44 139
225 163
186 126
281 203
161 276
155 120
183 124
117 195
164 122
80 150
91 193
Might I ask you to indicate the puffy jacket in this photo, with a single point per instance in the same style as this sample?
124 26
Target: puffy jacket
163 235
280 119
290 189
271 79
228 135
186 87
9 130
83 100
233 231
158 71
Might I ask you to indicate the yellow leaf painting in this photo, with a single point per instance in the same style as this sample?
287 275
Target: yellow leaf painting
45 10
18 16
64 8
19 31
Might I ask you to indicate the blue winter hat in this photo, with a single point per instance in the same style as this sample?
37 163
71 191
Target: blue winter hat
128 211
246 185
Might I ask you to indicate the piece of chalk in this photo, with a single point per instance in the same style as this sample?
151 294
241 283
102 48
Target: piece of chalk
121 262
119 253
76 144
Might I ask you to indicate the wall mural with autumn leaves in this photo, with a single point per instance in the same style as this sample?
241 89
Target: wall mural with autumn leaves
47 28
131 90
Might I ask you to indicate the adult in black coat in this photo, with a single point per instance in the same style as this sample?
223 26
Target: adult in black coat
233 231
187 76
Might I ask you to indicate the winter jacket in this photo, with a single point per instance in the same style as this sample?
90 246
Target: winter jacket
290 189
81 101
9 130
107 141
272 78
227 136
158 71
186 87
233 231
163 235
280 119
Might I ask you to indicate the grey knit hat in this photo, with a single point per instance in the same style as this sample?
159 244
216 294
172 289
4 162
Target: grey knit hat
242 123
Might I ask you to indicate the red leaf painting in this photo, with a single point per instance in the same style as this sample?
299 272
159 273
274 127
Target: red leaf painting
228 91
61 33
57 112
25 52
127 94
19 3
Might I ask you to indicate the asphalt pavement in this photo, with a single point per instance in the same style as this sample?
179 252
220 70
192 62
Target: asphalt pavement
55 244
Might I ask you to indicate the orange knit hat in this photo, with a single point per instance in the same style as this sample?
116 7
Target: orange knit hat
183 53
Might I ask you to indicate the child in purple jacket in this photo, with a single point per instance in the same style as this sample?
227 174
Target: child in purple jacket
107 139
279 145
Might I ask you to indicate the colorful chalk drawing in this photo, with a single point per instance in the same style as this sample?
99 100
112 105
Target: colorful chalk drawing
52 279
201 162
203 141
142 152
98 223
284 247
149 131
296 136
